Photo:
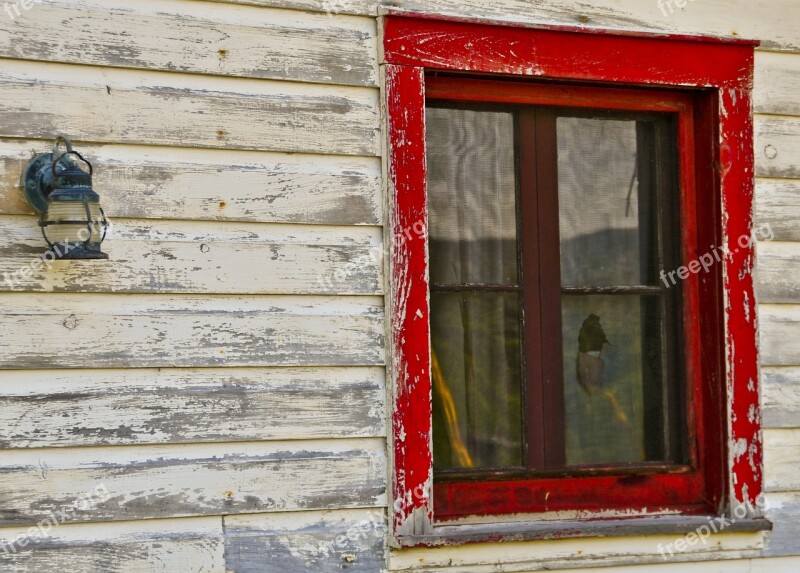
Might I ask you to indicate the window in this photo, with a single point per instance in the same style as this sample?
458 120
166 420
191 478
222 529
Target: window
545 360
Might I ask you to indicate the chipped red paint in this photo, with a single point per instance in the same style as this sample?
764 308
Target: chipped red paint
411 418
737 167
723 351
563 53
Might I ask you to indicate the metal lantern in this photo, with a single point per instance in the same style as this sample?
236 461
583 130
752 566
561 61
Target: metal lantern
73 222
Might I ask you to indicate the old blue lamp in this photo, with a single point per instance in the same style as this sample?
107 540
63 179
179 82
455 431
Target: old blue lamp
72 221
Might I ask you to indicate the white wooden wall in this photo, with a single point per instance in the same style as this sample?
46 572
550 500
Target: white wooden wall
223 375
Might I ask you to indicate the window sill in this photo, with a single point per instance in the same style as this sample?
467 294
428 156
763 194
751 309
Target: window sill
445 535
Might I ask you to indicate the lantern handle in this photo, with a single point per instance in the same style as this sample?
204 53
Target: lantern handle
71 152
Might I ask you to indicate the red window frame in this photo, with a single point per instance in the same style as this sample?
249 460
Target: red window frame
708 83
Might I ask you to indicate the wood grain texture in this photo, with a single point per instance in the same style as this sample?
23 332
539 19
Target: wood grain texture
202 38
140 182
136 331
174 481
323 542
777 204
782 459
777 83
778 272
784 512
112 105
194 257
775 565
762 19
778 326
781 397
611 552
152 546
74 408
777 146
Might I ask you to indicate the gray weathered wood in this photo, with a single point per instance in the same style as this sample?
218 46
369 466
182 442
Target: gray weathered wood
151 546
72 408
193 257
196 184
784 513
777 83
109 105
778 328
777 146
329 542
214 39
778 272
780 397
130 331
761 19
782 459
195 480
583 555
777 204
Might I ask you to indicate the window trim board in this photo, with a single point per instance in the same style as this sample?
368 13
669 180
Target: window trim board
724 68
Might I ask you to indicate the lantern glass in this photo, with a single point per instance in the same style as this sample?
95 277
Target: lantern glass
67 222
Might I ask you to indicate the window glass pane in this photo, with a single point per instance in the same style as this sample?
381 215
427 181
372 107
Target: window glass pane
606 199
612 381
471 196
476 375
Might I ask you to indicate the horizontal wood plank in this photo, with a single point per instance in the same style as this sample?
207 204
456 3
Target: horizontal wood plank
72 408
612 552
777 205
323 542
138 182
108 484
778 328
782 459
760 19
203 38
778 272
130 331
780 397
112 105
213 258
784 512
153 546
777 83
775 565
777 146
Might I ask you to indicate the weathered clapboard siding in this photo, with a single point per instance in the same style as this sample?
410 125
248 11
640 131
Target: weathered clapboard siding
156 108
777 147
778 268
784 512
778 204
208 479
763 19
194 257
196 184
113 331
782 459
72 408
777 83
570 553
215 39
153 546
781 397
323 542
775 565
779 326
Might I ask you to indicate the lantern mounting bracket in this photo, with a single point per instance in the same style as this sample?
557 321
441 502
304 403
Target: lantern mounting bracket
36 179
